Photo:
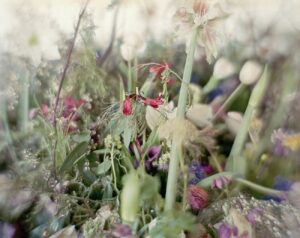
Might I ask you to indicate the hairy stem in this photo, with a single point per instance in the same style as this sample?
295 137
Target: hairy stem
176 146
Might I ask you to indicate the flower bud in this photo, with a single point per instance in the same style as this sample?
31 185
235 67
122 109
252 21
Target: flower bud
233 120
251 72
223 68
128 52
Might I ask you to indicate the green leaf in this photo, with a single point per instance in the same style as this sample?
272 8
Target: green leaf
103 167
82 137
127 136
76 154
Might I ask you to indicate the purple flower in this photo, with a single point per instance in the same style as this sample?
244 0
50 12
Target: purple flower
227 231
281 184
197 172
7 230
254 215
220 182
152 155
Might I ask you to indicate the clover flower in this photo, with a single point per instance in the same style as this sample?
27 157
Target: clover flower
197 197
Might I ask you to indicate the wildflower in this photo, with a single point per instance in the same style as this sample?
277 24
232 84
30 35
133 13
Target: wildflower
155 103
285 142
220 182
197 197
227 231
205 15
197 172
127 107
161 72
152 154
250 72
281 184
254 215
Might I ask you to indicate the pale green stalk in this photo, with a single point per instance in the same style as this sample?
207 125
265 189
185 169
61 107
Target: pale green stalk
236 161
230 99
207 182
129 77
176 146
211 84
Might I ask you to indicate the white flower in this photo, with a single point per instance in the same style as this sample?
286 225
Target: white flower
251 72
233 121
223 68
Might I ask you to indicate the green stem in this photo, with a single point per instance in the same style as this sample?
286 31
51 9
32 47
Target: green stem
236 162
129 76
259 188
211 84
113 169
176 146
230 99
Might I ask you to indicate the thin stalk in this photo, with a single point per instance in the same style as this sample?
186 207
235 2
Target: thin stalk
113 169
259 188
236 162
176 146
129 77
230 100
68 60
211 84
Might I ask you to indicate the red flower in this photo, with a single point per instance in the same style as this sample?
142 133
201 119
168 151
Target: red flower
153 102
158 70
127 107
70 106
197 197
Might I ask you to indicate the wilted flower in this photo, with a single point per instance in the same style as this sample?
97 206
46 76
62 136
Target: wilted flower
220 182
251 72
127 107
197 197
152 154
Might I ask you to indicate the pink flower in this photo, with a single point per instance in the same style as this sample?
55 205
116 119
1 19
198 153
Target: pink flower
220 182
127 107
197 197
161 72
158 69
153 102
